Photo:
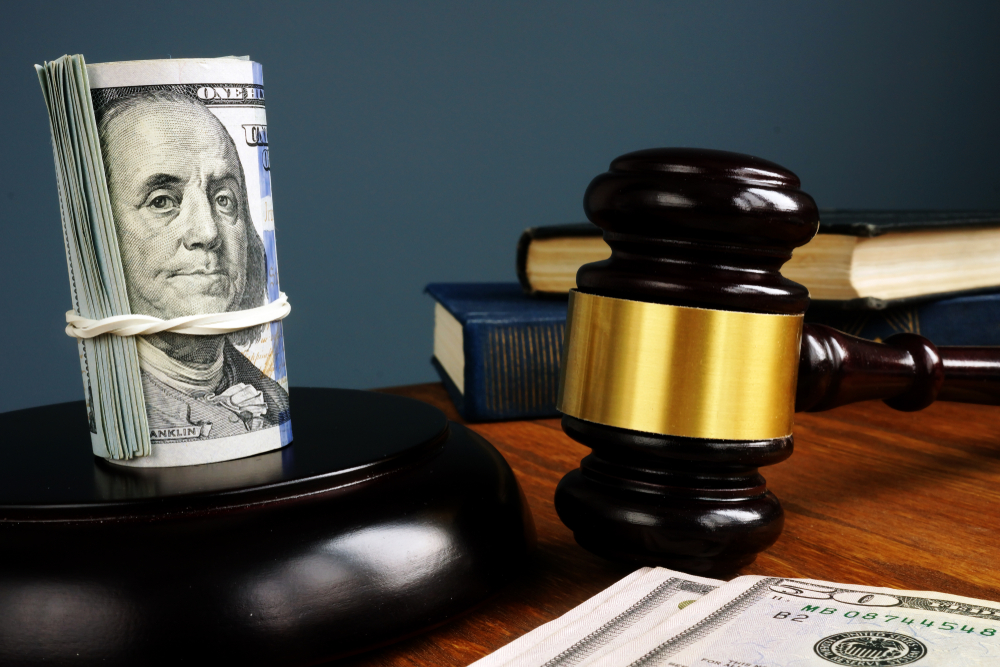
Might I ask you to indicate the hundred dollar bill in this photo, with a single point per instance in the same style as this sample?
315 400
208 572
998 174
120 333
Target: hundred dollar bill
771 622
183 161
603 620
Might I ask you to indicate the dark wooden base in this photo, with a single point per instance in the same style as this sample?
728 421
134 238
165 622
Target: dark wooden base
689 504
382 519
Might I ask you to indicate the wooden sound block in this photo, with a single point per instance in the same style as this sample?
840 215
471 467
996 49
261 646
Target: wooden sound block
380 520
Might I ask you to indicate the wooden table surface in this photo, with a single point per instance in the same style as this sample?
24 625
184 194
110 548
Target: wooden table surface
871 496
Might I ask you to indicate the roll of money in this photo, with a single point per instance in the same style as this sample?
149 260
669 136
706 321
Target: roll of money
164 186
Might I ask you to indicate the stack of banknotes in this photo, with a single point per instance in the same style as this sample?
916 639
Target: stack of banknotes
163 175
659 617
110 364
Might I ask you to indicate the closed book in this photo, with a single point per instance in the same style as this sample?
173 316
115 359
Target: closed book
497 350
862 259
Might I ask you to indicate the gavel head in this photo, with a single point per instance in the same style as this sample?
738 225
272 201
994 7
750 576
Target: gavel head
680 360
701 228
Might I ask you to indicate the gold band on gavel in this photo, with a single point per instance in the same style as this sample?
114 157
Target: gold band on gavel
681 371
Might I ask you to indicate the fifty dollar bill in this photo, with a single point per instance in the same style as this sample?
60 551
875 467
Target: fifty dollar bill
771 622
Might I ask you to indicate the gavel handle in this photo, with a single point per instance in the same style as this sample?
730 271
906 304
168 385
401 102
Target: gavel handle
906 371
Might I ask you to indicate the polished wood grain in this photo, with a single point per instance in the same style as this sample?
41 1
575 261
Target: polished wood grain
872 496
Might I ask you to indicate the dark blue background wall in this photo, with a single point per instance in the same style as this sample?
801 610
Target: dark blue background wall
412 141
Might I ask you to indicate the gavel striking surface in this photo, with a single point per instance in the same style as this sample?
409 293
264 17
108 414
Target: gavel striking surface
380 520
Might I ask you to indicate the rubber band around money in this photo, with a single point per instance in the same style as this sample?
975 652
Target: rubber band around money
211 324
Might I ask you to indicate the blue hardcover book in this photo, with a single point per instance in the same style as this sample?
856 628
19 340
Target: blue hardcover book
497 350
963 320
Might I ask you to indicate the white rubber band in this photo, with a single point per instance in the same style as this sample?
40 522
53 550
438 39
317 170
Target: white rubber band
194 325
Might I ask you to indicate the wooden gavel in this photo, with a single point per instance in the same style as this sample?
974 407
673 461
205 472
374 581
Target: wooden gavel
686 356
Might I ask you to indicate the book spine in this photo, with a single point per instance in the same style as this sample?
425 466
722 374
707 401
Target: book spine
512 370
961 321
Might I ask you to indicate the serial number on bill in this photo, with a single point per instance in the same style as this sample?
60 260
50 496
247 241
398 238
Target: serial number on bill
949 626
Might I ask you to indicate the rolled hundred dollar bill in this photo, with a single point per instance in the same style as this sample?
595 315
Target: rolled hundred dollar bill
165 194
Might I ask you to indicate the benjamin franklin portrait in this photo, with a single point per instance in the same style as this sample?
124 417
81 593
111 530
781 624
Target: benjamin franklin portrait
189 247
